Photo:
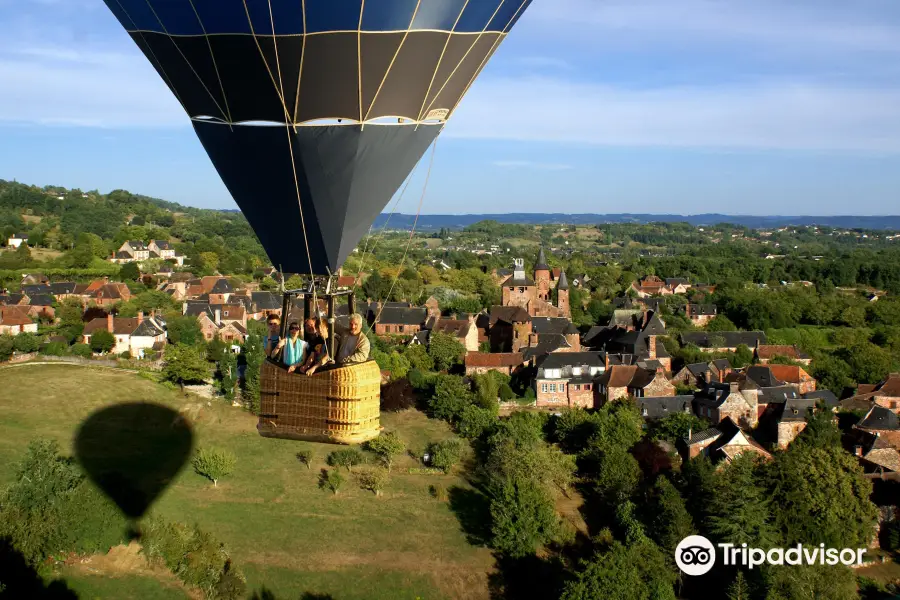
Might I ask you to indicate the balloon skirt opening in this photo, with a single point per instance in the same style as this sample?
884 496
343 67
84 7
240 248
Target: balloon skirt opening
337 406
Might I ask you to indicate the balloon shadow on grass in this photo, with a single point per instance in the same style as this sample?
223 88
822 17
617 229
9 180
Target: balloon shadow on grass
18 579
133 452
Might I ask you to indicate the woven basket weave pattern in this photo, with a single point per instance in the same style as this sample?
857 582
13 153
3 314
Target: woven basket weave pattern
337 405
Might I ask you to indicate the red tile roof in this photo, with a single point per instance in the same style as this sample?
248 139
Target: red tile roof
504 359
789 373
771 351
14 315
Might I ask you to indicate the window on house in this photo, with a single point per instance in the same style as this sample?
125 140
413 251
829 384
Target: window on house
644 411
587 386
400 328
577 387
544 388
512 289
893 404
553 387
521 289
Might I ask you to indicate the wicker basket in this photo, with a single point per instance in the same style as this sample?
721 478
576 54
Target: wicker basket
338 405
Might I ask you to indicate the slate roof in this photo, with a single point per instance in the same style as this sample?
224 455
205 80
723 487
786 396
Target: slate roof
796 410
883 454
559 360
721 364
222 287
11 299
63 287
123 254
563 282
826 396
763 376
196 308
41 300
162 244
541 264
402 316
732 339
778 395
265 301
560 325
457 327
513 282
674 281
31 290
148 328
698 369
881 419
547 343
659 407
137 244
702 436
713 395
509 314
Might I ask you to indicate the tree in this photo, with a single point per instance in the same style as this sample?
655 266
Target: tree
670 522
869 363
523 517
446 454
227 373
740 510
129 272
27 342
102 341
721 323
70 312
419 358
306 457
184 364
254 353
487 390
475 420
387 446
214 464
617 476
620 572
373 479
829 495
445 350
345 458
82 351
331 480
812 582
451 397
184 330
677 426
739 589
7 345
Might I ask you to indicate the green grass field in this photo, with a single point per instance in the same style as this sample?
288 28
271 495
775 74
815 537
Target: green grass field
283 531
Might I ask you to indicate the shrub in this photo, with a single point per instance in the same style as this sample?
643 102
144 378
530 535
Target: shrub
397 395
475 420
373 479
195 557
331 480
102 341
386 446
7 345
214 464
529 394
126 355
447 454
345 458
506 393
26 342
417 379
305 456
54 349
82 350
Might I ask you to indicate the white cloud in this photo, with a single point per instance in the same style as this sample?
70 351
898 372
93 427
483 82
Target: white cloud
763 116
527 164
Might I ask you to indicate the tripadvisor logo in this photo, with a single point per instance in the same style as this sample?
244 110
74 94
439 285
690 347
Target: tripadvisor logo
696 555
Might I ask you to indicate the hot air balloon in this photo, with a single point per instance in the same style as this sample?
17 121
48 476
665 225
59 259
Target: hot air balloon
314 112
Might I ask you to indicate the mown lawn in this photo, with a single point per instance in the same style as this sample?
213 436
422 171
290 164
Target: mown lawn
283 531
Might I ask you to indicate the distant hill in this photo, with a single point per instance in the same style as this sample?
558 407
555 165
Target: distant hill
427 222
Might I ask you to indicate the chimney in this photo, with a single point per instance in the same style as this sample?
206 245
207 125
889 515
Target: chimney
651 345
218 316
140 317
857 450
690 433
109 322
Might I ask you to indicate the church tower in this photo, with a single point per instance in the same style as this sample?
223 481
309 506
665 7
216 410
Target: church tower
542 277
562 292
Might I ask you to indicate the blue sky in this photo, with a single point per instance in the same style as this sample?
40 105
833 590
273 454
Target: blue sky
654 106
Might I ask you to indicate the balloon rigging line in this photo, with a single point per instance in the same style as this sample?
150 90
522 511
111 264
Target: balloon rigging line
440 60
190 66
381 233
302 55
464 57
212 55
387 72
362 9
155 59
488 55
412 231
280 92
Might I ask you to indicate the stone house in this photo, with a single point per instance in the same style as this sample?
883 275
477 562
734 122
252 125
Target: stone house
15 320
404 322
135 335
720 400
698 375
882 423
783 414
795 376
463 330
885 394
721 443
509 329
108 294
568 379
534 295
166 251
558 326
651 285
700 314
622 381
478 363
